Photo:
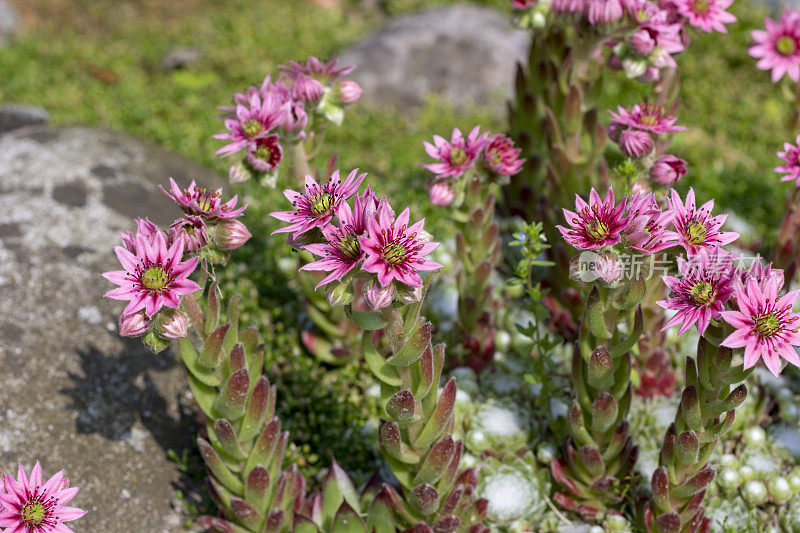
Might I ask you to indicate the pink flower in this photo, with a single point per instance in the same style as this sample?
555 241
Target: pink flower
395 251
778 48
501 156
569 7
153 275
342 250
30 505
604 11
265 154
349 91
457 155
668 170
791 156
523 4
143 227
765 325
635 143
646 230
315 208
699 295
596 224
251 122
708 15
647 117
696 228
324 71
203 203
307 89
192 230
760 273
442 192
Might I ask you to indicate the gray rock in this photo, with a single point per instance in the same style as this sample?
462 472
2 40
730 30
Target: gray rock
181 58
73 394
9 22
13 116
464 53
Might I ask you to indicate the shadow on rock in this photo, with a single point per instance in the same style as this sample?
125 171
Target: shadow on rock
117 390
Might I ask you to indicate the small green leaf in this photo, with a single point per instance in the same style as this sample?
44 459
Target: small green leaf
366 320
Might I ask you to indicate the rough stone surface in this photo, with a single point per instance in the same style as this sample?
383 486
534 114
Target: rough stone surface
464 53
73 394
9 22
14 116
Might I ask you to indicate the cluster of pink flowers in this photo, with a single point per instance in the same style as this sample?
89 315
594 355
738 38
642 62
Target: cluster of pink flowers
777 47
641 224
710 280
157 265
32 505
637 130
495 155
365 242
284 107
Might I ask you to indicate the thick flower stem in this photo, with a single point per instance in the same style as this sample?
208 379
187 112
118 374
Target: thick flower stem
596 468
416 433
713 391
479 251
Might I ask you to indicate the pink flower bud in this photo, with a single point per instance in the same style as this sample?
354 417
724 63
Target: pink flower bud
668 170
238 174
442 192
295 118
523 4
307 89
193 231
640 188
379 296
635 143
349 91
231 234
642 42
133 325
171 323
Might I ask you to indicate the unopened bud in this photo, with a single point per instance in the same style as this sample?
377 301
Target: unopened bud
171 323
349 91
238 173
133 325
379 296
442 192
339 294
231 234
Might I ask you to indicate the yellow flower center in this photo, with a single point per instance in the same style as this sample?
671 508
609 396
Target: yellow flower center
597 229
458 156
767 325
700 6
321 204
251 128
696 233
155 278
786 45
33 513
394 253
349 246
702 292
